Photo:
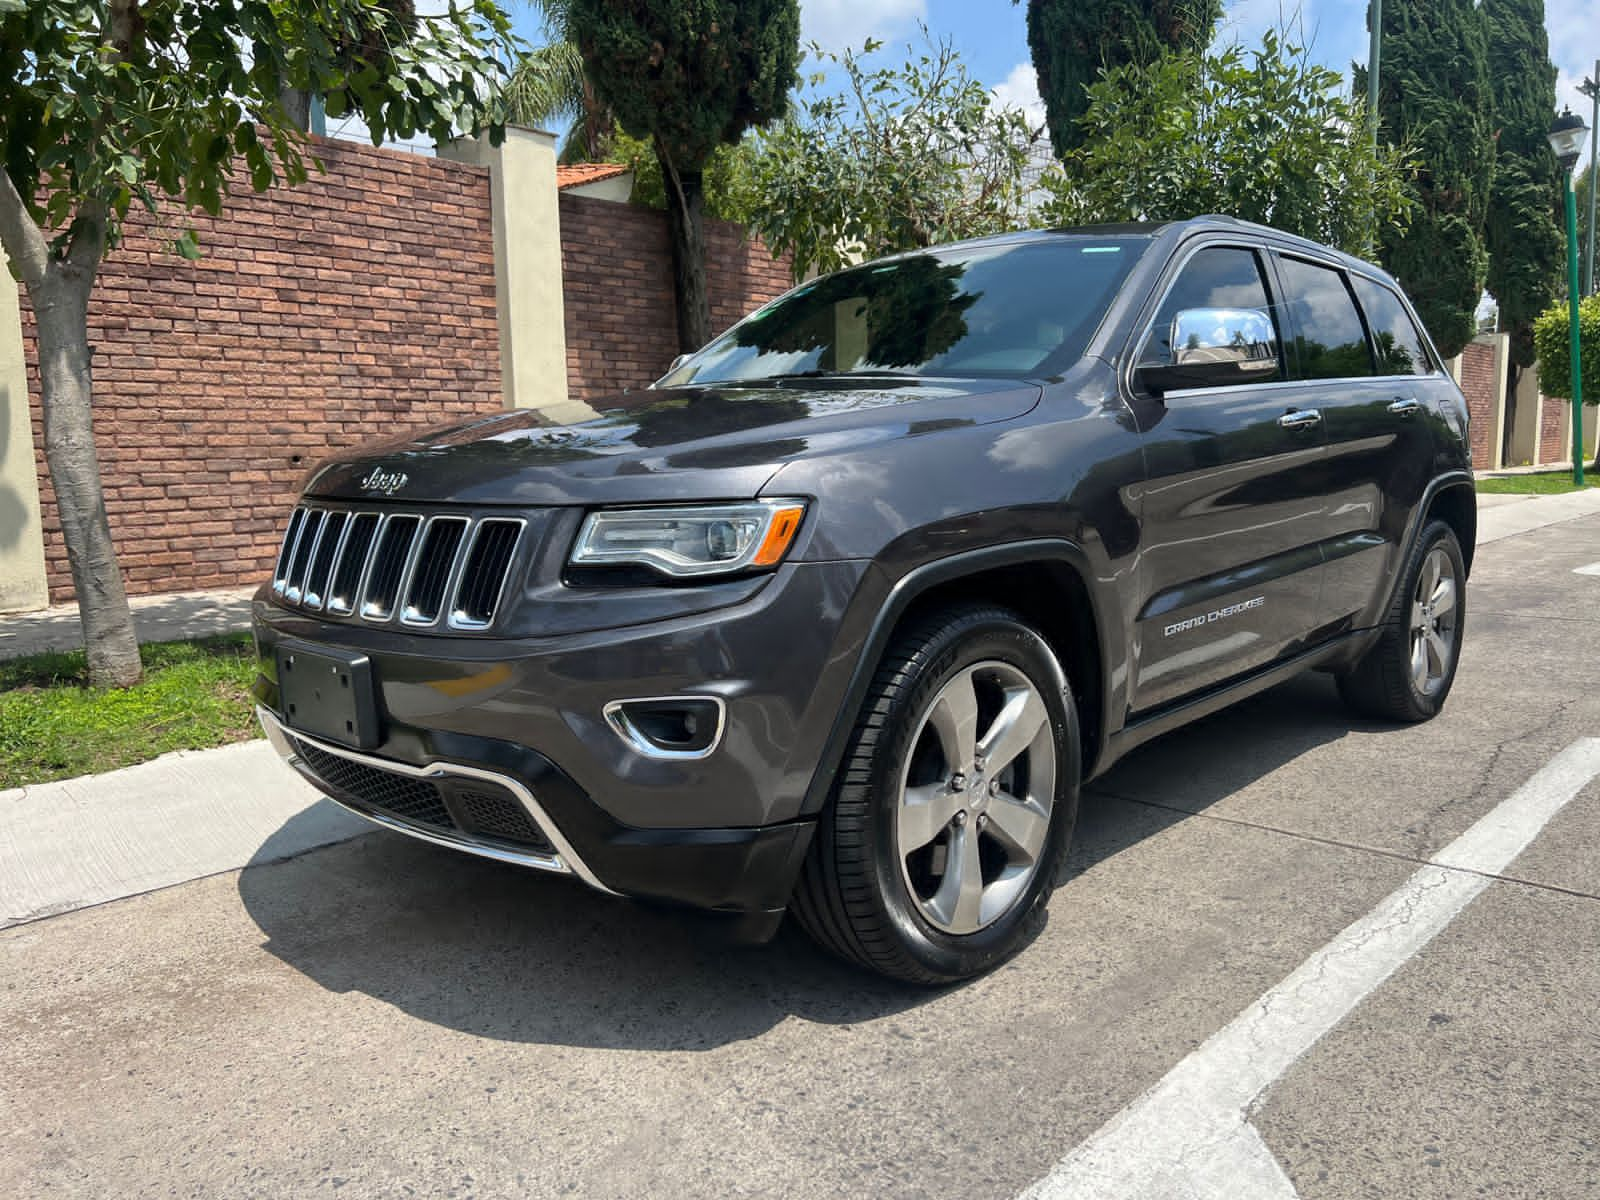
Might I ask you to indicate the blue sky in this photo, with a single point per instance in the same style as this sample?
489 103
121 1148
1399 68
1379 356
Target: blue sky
992 35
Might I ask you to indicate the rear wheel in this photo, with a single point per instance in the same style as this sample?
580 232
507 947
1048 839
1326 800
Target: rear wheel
1408 672
935 857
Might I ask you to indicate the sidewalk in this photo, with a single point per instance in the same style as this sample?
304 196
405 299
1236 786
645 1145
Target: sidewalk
163 618
84 841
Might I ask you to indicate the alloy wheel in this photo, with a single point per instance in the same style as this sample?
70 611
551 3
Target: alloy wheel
973 813
1433 622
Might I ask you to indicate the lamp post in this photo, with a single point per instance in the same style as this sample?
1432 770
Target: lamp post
1590 87
1566 139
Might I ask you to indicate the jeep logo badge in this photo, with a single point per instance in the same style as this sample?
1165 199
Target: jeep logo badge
387 482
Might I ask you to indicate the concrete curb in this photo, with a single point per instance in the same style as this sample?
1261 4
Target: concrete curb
84 841
1528 513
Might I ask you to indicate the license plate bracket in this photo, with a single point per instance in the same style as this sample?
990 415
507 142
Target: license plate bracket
328 694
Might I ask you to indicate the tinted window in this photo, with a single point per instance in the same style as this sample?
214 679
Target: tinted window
1400 347
1330 341
1006 309
1217 277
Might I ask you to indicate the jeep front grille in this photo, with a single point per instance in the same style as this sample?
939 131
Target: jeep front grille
426 571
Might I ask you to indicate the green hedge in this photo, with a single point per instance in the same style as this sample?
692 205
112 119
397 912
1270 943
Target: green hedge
1551 343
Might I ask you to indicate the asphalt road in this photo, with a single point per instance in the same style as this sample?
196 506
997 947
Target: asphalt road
381 1018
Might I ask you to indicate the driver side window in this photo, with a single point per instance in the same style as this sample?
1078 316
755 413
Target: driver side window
1218 277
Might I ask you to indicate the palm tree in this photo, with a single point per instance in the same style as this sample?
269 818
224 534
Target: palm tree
550 84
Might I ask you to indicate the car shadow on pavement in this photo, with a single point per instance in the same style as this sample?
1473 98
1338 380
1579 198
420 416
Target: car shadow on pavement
503 952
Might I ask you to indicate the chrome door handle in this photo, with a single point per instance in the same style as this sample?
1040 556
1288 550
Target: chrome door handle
1405 408
1300 419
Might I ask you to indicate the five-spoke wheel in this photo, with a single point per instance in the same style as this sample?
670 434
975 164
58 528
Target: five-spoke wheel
976 796
955 802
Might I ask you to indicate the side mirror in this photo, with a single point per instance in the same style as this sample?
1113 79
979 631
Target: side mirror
1215 347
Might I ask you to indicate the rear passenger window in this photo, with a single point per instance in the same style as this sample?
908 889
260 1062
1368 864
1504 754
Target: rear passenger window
1216 277
1330 341
1401 350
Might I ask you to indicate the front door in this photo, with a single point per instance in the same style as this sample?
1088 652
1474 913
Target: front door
1235 505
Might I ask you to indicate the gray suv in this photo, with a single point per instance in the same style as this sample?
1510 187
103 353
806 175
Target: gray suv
838 616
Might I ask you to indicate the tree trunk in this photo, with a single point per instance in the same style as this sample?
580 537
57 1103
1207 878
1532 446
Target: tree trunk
686 214
61 309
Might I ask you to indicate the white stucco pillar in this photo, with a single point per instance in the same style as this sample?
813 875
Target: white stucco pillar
527 269
22 578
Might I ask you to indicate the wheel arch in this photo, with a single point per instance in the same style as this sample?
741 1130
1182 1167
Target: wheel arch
1455 502
1046 582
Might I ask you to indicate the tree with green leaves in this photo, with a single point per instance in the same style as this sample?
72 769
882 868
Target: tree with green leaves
108 104
1526 243
904 155
1267 135
1072 41
691 75
550 84
1552 339
1435 98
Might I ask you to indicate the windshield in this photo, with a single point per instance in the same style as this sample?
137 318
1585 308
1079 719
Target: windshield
1007 309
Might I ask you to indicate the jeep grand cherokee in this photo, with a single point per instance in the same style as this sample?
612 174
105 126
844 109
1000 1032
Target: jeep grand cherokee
838 616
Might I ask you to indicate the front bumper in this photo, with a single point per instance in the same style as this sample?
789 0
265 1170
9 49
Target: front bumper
742 873
523 719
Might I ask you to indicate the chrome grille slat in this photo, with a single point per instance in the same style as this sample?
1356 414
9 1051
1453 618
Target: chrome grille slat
351 573
391 566
291 536
485 569
426 572
305 546
331 540
436 565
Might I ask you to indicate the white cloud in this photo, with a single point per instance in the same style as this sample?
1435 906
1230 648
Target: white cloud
841 24
1020 89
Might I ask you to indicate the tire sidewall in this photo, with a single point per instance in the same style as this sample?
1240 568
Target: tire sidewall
978 638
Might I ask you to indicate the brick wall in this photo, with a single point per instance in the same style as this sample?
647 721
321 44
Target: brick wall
1480 385
357 305
1556 420
616 263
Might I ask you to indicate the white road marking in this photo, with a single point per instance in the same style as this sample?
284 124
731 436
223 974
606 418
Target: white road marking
1591 569
1189 1137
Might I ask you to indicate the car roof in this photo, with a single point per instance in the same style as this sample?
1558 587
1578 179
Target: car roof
1209 223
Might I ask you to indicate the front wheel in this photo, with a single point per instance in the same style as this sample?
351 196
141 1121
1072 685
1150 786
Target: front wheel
1409 670
935 857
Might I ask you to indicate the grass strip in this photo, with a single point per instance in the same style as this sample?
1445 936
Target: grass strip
194 695
1540 483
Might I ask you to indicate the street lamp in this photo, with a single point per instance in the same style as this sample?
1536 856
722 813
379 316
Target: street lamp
1566 139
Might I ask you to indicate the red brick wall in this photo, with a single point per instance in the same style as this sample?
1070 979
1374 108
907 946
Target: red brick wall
616 263
1556 419
1480 385
357 305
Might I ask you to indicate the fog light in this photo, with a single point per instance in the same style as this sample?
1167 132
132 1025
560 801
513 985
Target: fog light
669 726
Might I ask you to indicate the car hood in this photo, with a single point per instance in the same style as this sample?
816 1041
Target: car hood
673 444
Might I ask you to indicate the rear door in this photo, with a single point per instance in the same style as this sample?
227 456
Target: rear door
1357 345
1236 501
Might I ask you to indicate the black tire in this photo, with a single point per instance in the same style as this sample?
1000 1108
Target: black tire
852 897
1381 683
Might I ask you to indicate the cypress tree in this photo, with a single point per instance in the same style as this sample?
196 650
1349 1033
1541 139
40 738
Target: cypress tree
690 75
1435 99
1071 40
1526 246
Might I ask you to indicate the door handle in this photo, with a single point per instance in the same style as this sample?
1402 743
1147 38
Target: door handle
1405 407
1302 418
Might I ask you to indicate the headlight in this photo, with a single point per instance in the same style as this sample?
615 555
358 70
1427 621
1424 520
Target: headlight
710 539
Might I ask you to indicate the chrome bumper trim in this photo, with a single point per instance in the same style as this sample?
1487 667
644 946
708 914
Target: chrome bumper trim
564 861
